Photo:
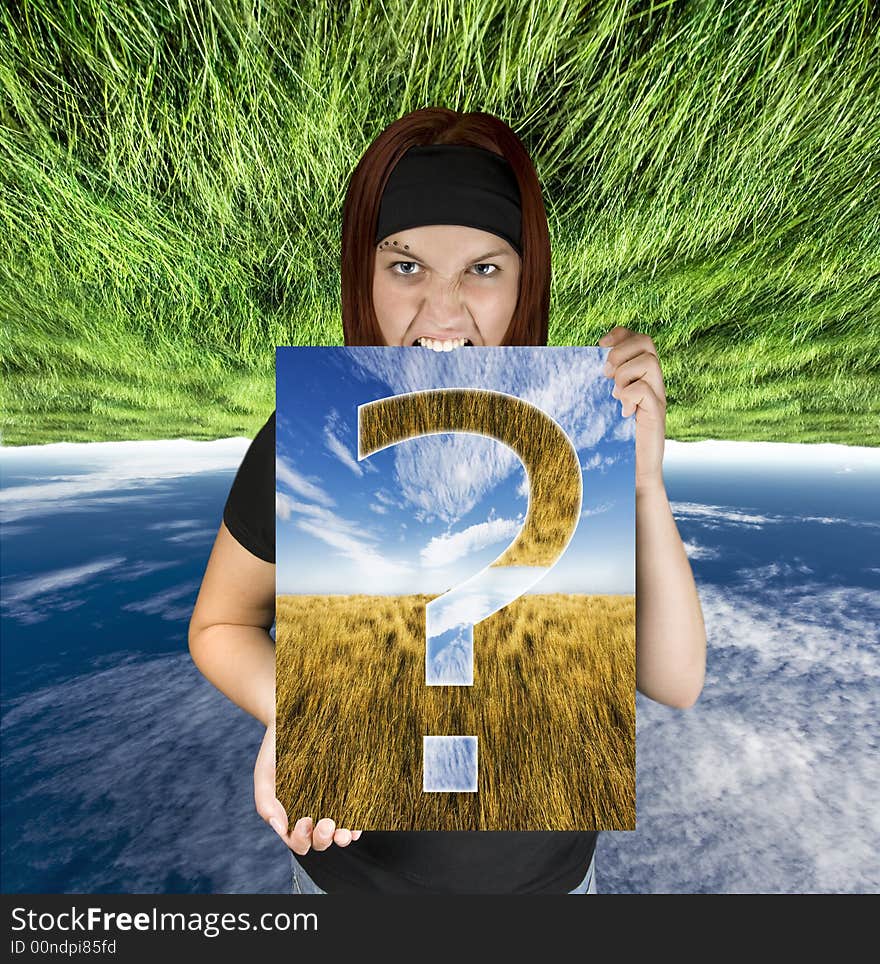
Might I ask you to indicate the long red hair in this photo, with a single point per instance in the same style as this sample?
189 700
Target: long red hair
439 125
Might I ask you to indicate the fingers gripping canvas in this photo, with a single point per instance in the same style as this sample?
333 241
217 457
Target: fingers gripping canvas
455 598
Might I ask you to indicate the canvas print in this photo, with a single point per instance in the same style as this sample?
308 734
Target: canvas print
455 609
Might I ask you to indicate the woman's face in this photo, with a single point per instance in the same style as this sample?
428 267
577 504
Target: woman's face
441 285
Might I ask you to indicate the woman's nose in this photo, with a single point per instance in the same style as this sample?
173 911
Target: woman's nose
444 302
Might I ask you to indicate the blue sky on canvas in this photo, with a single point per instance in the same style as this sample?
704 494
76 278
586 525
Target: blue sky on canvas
428 513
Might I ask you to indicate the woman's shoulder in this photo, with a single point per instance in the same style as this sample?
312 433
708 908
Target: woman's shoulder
263 444
269 425
249 512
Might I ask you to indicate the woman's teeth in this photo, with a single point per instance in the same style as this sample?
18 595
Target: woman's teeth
438 345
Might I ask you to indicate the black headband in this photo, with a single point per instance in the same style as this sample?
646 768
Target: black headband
452 184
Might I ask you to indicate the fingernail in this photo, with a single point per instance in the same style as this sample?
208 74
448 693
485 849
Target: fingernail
275 824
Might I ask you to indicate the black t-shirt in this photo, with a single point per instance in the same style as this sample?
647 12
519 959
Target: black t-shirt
408 862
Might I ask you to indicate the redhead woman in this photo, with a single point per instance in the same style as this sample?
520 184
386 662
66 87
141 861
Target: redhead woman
445 246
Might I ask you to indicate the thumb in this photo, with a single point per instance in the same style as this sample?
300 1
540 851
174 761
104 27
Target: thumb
269 807
277 818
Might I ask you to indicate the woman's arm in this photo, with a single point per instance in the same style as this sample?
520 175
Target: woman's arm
670 632
229 629
230 643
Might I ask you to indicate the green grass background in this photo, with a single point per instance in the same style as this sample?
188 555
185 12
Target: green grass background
173 173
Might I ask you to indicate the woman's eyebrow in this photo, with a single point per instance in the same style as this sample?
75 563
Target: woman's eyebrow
409 253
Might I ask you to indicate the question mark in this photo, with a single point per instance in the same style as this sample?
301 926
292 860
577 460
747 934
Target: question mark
555 500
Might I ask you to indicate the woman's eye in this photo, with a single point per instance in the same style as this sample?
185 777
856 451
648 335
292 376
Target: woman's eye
412 267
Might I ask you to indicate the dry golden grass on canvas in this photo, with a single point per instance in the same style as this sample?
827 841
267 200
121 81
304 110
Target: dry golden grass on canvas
550 461
553 705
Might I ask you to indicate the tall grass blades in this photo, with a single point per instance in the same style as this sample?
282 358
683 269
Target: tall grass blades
552 706
172 176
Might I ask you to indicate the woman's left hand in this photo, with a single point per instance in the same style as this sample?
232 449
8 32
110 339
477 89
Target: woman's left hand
638 384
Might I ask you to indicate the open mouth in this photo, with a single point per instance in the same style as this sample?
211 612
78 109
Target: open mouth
449 344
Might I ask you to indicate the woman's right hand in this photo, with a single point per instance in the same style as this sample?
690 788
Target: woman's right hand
305 833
